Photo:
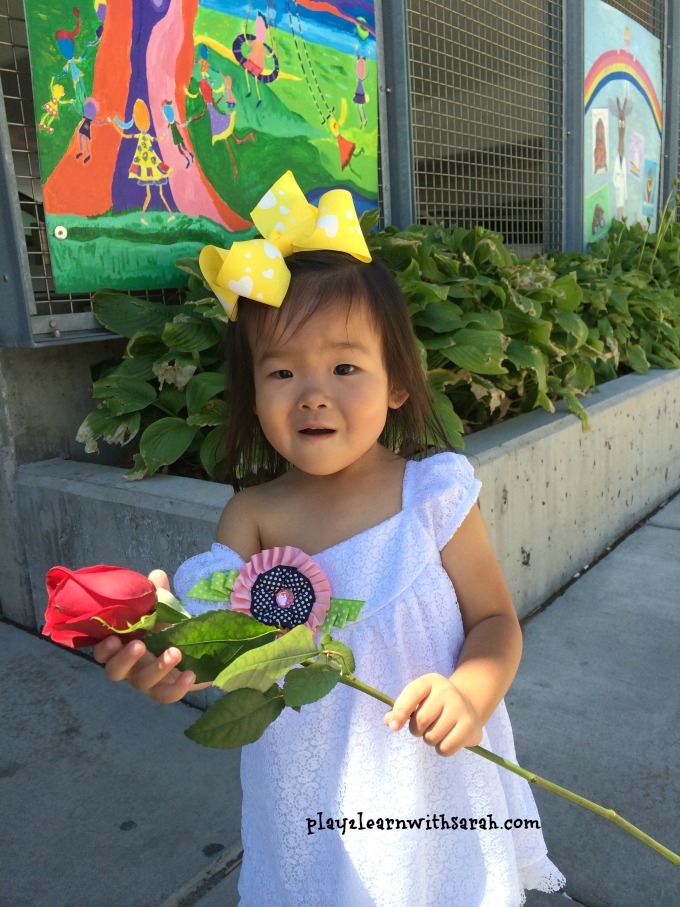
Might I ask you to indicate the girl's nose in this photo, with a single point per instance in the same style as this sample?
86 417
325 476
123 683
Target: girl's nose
313 396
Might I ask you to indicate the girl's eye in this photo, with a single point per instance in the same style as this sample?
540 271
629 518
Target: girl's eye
282 373
344 369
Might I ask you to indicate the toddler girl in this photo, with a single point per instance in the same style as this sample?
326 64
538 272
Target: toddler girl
329 405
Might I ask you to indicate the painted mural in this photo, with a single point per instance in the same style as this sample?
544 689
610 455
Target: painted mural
161 123
623 120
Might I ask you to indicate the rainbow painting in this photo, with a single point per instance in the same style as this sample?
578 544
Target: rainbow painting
615 65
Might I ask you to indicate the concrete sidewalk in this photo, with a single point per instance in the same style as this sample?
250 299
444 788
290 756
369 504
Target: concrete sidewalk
106 804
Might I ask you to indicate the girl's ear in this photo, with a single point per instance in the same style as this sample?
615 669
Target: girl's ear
398 396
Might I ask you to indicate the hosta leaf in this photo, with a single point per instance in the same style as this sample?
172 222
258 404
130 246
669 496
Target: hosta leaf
147 343
477 351
571 323
188 336
450 420
211 452
570 294
171 400
175 368
523 355
258 669
123 395
125 314
490 321
237 719
636 358
164 442
441 317
203 387
100 423
211 414
138 367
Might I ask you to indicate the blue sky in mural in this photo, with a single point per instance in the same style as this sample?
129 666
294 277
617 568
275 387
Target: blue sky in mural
320 27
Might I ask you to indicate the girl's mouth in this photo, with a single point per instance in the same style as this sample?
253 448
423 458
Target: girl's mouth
317 431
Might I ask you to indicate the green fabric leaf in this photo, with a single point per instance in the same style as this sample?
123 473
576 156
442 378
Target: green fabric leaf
237 719
260 668
308 684
164 442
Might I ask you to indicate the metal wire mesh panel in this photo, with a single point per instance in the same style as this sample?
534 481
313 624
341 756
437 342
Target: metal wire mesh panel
487 116
649 13
49 311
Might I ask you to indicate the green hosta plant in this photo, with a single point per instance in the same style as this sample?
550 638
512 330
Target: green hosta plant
497 336
169 387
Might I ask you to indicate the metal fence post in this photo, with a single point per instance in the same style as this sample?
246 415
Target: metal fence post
396 139
572 222
671 116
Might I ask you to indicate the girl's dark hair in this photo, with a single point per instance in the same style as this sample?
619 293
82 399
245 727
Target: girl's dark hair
320 279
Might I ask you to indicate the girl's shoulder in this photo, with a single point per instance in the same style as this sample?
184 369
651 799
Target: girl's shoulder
441 489
238 526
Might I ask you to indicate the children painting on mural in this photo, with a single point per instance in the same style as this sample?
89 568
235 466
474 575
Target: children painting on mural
330 412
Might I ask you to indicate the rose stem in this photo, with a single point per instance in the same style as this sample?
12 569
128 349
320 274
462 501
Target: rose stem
608 814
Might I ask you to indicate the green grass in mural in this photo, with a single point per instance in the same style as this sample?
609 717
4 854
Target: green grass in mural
96 247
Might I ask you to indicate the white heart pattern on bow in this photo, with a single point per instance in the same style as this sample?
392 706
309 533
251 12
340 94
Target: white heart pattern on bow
242 287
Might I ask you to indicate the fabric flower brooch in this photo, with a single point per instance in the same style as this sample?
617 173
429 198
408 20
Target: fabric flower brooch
280 587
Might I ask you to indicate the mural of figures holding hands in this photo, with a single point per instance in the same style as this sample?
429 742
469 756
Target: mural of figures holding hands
178 139
147 167
66 44
619 178
52 107
90 108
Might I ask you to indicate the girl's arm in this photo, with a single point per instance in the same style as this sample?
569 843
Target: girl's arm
449 713
158 677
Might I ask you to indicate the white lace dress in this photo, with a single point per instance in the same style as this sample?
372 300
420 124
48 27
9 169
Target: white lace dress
335 760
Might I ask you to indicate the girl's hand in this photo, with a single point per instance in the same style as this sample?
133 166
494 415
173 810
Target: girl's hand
438 712
157 678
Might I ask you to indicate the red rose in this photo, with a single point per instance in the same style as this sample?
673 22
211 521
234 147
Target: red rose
118 596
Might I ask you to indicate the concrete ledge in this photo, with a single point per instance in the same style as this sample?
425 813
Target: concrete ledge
554 497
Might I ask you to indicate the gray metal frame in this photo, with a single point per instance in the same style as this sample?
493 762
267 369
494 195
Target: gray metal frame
671 112
572 221
394 98
16 292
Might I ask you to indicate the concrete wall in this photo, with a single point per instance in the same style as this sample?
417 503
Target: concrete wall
44 396
554 497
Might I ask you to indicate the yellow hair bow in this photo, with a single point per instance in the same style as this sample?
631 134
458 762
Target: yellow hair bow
288 223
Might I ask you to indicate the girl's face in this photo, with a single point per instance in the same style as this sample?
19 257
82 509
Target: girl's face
322 391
